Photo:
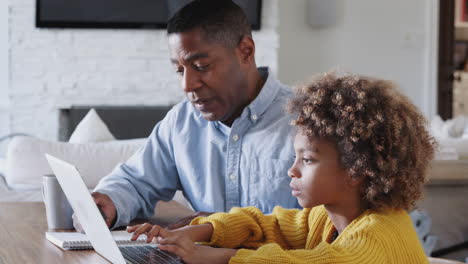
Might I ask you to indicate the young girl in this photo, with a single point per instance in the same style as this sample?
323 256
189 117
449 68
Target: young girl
362 151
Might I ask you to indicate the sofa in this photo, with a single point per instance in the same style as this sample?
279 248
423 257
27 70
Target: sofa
91 147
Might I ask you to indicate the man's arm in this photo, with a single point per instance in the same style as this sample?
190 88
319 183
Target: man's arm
148 176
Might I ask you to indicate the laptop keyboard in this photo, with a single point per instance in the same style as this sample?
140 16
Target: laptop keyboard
148 255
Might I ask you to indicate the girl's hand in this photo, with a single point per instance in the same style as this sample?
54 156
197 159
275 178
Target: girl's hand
199 233
151 231
192 253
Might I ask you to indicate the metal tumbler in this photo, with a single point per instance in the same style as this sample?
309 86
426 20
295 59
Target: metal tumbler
58 210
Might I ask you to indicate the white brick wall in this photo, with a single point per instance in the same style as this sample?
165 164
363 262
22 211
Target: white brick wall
55 68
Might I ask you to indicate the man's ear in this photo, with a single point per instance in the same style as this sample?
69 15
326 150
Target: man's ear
246 50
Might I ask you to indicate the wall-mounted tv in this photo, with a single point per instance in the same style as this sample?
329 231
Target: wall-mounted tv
121 13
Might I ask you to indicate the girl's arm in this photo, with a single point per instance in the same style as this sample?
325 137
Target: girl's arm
323 253
249 227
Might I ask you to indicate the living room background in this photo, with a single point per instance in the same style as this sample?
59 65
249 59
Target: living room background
62 67
58 68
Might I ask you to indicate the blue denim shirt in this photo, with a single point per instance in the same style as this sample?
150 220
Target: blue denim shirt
217 167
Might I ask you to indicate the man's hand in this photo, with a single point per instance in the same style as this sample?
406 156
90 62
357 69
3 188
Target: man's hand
186 220
106 207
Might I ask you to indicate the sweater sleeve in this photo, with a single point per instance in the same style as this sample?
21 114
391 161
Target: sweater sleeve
250 228
324 253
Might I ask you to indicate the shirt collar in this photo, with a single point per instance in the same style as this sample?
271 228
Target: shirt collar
266 96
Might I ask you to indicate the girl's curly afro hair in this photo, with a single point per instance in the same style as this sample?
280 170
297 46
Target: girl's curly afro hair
380 135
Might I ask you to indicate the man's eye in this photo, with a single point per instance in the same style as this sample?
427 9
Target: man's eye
180 71
201 67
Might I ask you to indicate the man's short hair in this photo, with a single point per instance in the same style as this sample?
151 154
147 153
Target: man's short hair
221 21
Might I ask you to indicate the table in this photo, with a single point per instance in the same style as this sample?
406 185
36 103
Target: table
22 236
448 172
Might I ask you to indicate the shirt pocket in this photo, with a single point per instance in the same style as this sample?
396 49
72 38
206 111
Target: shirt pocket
269 184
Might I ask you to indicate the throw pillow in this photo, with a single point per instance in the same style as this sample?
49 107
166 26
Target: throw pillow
91 129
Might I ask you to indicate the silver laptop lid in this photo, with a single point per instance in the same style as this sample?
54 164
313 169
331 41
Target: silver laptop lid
85 209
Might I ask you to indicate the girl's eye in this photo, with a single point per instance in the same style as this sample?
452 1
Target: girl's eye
307 161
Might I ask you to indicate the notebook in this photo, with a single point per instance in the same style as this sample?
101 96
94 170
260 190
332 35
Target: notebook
77 241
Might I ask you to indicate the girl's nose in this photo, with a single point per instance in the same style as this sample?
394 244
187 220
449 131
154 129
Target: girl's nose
293 172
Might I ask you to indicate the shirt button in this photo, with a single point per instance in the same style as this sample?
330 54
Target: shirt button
254 117
232 177
235 137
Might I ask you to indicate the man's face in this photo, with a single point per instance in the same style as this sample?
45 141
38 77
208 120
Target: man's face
212 76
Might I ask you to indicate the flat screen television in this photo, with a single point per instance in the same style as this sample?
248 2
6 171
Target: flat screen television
121 13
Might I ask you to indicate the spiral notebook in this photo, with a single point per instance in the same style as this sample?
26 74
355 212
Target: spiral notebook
77 241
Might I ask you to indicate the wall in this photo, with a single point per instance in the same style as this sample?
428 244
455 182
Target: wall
57 68
4 73
395 40
4 50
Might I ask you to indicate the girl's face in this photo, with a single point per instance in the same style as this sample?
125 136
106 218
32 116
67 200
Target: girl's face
317 176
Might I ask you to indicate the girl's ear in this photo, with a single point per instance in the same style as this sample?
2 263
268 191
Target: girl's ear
353 181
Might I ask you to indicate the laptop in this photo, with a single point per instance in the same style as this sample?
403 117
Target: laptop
93 224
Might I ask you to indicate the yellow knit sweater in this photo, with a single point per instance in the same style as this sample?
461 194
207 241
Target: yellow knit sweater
303 236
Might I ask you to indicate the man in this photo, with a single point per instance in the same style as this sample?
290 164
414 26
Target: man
227 144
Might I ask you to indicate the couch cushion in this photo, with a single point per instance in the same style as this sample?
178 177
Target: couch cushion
26 163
